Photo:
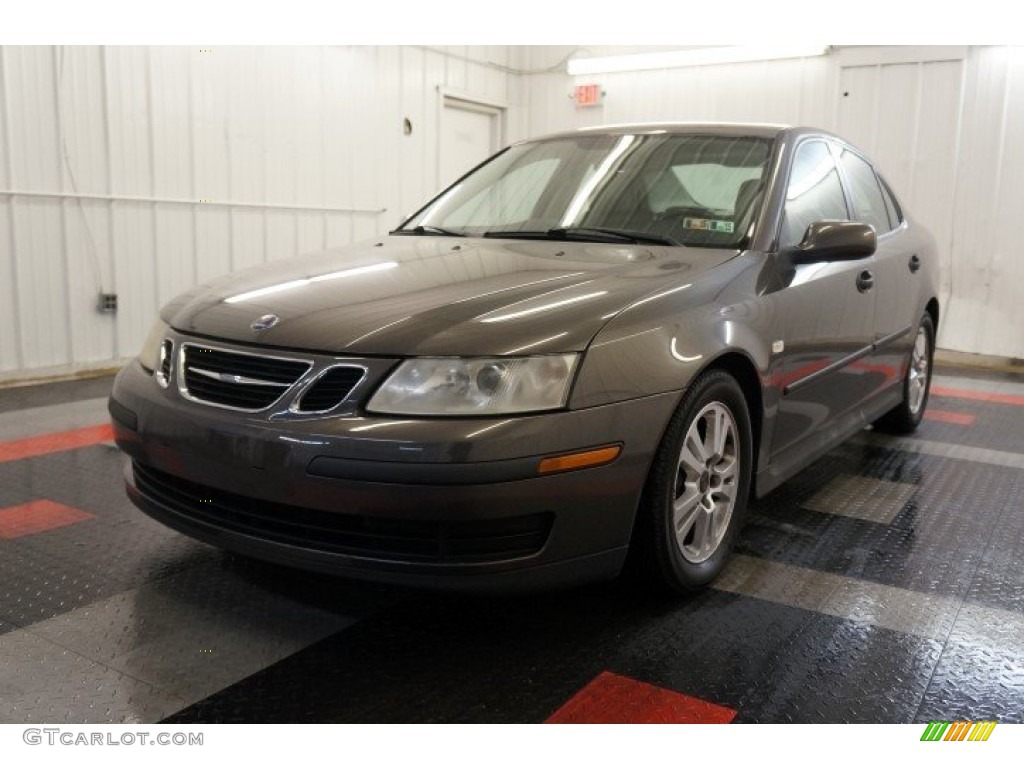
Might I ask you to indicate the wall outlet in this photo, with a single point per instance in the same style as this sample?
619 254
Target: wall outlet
107 302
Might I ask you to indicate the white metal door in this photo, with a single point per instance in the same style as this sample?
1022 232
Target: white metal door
906 117
470 133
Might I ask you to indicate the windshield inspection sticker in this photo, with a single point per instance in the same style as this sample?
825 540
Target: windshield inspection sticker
711 225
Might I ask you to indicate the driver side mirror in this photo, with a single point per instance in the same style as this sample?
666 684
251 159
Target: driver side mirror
835 241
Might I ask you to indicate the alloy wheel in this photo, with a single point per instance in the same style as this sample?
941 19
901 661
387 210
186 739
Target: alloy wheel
917 384
706 482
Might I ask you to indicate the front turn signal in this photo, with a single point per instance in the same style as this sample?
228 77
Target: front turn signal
581 460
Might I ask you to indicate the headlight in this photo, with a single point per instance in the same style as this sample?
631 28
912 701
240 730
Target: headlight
149 356
475 386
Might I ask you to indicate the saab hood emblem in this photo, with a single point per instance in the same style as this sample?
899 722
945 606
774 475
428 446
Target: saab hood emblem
262 323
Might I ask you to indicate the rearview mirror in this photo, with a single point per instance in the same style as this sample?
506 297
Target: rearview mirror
835 241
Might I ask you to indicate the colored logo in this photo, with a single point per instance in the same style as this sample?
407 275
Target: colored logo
262 323
939 730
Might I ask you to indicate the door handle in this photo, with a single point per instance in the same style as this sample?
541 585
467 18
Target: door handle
865 281
915 263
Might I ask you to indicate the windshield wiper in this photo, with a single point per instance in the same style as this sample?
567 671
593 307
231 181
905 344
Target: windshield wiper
630 235
428 230
599 234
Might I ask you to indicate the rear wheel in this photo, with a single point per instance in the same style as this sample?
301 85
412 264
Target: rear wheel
696 493
905 417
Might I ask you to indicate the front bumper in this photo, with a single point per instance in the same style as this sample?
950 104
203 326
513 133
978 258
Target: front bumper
462 495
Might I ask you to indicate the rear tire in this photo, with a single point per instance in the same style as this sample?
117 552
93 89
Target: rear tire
696 493
904 418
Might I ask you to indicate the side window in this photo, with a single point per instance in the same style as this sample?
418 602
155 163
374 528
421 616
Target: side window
867 195
891 206
814 193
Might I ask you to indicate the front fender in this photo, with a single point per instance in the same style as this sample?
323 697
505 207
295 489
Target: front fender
661 344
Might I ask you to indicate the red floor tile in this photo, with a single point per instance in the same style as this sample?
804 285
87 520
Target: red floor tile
37 517
950 417
610 698
25 448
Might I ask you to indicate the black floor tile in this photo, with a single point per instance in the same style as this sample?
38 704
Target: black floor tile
720 647
997 426
453 659
980 675
46 574
935 543
425 657
999 580
843 671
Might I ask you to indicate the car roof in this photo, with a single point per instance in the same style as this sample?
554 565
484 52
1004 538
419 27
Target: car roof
758 130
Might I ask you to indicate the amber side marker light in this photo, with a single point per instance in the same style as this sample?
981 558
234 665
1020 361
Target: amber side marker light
580 460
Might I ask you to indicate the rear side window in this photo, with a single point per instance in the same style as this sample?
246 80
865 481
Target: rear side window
891 206
814 193
868 203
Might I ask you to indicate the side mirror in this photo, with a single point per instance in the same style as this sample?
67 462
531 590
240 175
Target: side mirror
835 241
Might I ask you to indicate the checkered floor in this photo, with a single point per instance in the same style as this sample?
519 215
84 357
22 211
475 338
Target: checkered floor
883 584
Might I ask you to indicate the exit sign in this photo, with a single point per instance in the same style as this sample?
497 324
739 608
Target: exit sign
588 95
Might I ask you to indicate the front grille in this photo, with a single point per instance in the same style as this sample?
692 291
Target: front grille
236 380
330 389
450 541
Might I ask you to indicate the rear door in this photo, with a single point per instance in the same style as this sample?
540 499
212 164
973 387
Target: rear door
893 271
826 318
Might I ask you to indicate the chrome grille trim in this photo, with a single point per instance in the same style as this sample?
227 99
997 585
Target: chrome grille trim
230 378
233 379
165 364
295 406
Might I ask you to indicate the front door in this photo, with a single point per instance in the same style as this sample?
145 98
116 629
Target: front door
825 319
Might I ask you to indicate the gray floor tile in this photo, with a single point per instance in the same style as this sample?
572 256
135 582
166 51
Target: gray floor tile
778 582
45 419
865 498
994 386
903 610
192 641
40 682
944 450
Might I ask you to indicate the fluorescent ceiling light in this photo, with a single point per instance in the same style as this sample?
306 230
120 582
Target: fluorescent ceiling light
730 54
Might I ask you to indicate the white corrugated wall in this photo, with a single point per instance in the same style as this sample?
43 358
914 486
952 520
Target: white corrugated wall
321 127
986 274
945 124
318 127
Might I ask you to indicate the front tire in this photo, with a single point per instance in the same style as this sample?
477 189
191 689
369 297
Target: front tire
696 493
904 418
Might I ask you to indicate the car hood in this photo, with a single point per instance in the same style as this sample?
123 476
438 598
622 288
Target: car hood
407 295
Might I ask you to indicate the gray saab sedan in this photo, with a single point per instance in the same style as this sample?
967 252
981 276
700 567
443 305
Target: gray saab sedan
593 344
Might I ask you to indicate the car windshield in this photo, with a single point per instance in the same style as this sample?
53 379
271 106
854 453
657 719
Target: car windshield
687 189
